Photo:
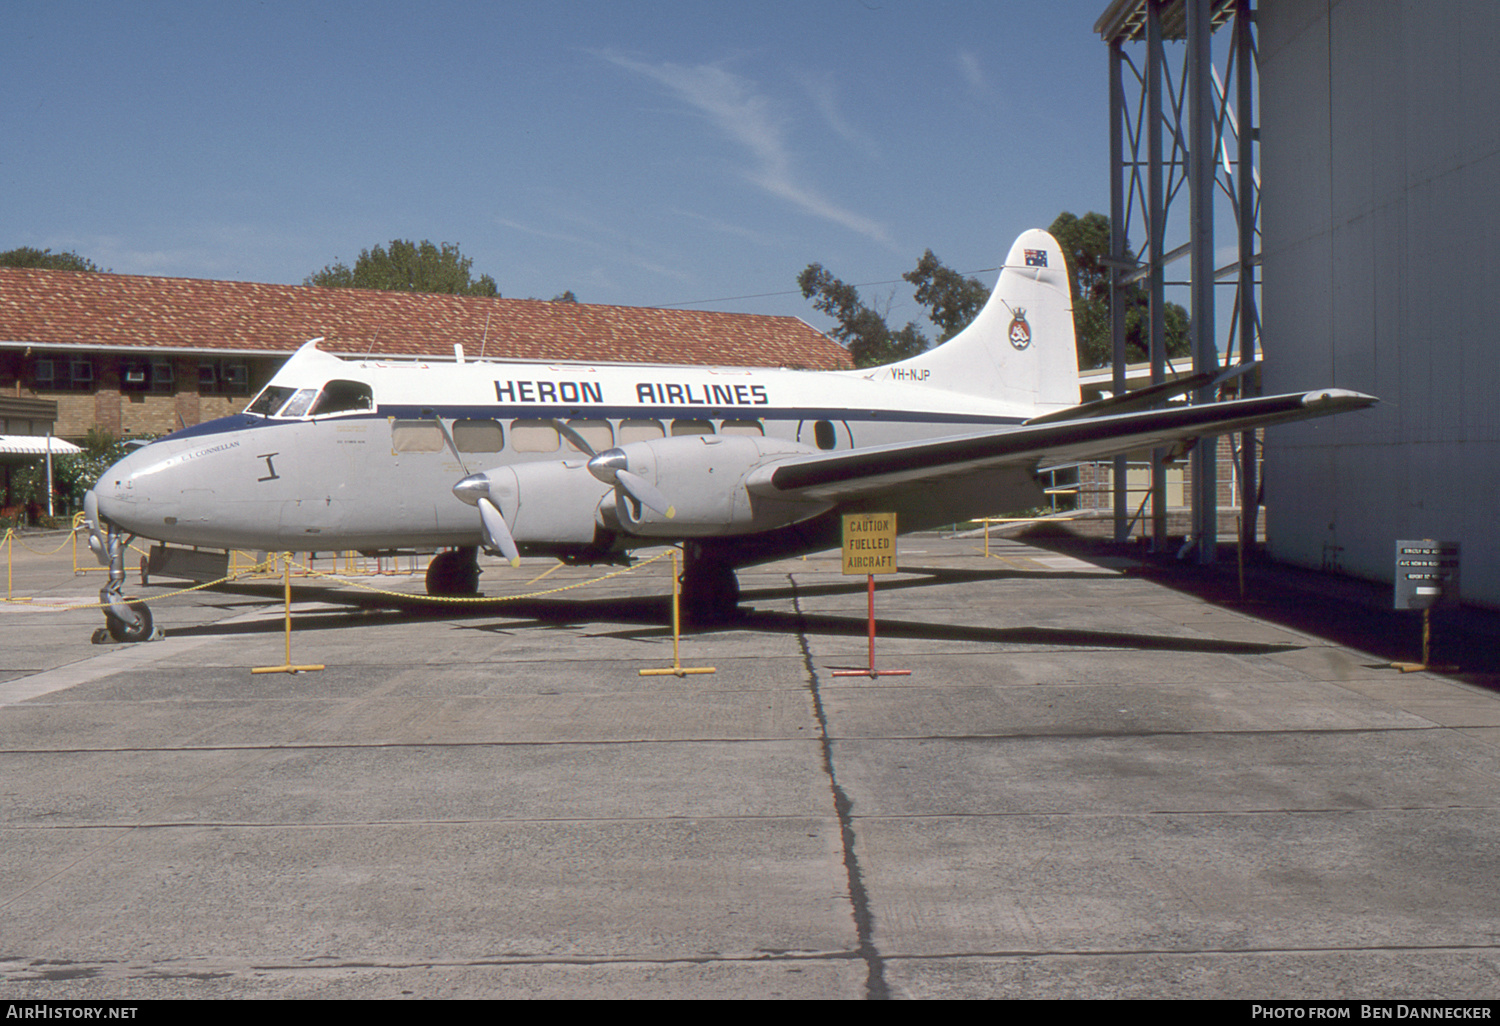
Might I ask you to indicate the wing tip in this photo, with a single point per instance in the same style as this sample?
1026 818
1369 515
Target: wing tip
1338 399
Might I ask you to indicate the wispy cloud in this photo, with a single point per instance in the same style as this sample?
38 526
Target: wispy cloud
733 106
825 98
621 247
972 73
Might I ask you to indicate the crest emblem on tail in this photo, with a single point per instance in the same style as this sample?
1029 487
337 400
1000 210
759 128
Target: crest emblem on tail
1020 331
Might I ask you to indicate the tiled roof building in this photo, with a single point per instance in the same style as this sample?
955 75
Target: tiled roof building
134 354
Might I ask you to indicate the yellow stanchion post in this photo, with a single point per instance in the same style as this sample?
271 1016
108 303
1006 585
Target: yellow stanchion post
676 669
10 557
287 667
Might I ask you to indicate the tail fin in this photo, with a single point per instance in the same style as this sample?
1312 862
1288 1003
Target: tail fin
1020 349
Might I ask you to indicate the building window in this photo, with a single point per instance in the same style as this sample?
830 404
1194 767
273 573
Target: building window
63 373
146 376
223 377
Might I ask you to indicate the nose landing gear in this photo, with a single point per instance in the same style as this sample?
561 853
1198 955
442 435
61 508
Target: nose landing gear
124 620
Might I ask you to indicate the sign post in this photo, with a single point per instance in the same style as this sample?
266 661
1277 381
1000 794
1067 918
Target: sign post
1426 576
870 549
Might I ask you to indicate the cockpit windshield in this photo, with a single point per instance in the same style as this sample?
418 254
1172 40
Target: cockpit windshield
300 402
334 397
270 400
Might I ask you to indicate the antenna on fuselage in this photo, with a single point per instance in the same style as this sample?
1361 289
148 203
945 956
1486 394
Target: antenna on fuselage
485 337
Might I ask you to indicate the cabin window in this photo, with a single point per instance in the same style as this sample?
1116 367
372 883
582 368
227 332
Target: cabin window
415 436
742 427
270 399
640 431
343 396
534 436
478 435
823 435
597 433
692 427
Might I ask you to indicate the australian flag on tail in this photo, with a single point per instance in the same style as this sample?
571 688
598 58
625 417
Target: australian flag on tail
1036 258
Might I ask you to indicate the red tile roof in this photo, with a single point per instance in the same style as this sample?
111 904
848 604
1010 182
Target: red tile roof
108 311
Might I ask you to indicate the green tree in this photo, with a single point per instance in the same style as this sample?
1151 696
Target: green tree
1085 243
408 267
862 329
27 256
951 301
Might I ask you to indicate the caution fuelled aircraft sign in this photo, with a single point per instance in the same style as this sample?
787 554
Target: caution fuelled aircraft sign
870 543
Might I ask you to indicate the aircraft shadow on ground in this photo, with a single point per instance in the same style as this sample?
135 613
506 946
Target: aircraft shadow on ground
1347 612
653 615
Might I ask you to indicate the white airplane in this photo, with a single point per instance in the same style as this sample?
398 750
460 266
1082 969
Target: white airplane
587 462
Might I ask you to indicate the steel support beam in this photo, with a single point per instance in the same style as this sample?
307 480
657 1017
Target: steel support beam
1119 258
1156 216
1202 328
1247 224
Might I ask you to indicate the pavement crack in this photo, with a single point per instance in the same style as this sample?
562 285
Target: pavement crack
876 988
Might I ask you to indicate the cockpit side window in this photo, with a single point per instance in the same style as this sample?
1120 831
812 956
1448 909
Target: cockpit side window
343 396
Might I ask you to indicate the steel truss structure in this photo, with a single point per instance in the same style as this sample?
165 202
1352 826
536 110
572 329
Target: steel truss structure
1173 126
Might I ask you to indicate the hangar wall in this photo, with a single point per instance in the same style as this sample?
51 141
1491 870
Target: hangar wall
1380 160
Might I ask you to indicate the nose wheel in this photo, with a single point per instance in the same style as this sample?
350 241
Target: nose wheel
134 624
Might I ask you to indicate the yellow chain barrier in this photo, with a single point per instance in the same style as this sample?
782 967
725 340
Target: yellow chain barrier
259 570
485 599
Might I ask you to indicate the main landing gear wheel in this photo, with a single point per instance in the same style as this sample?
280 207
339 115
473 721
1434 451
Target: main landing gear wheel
710 591
455 572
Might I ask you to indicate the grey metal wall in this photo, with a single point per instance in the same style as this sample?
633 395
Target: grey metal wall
1380 160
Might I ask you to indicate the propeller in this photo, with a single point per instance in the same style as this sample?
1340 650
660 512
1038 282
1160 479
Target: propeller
475 490
610 465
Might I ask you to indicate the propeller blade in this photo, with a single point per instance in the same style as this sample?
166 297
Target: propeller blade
644 493
497 536
452 445
571 434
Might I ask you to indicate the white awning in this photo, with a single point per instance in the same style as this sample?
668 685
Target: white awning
34 445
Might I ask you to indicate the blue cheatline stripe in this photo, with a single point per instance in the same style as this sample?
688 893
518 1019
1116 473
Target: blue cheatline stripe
767 413
250 422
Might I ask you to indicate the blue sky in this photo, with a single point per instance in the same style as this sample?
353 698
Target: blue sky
642 153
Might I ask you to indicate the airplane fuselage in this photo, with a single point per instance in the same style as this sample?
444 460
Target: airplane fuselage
348 454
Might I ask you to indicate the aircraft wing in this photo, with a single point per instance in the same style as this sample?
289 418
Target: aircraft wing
854 473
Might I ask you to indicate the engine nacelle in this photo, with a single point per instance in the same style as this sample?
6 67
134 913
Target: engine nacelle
554 502
704 477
